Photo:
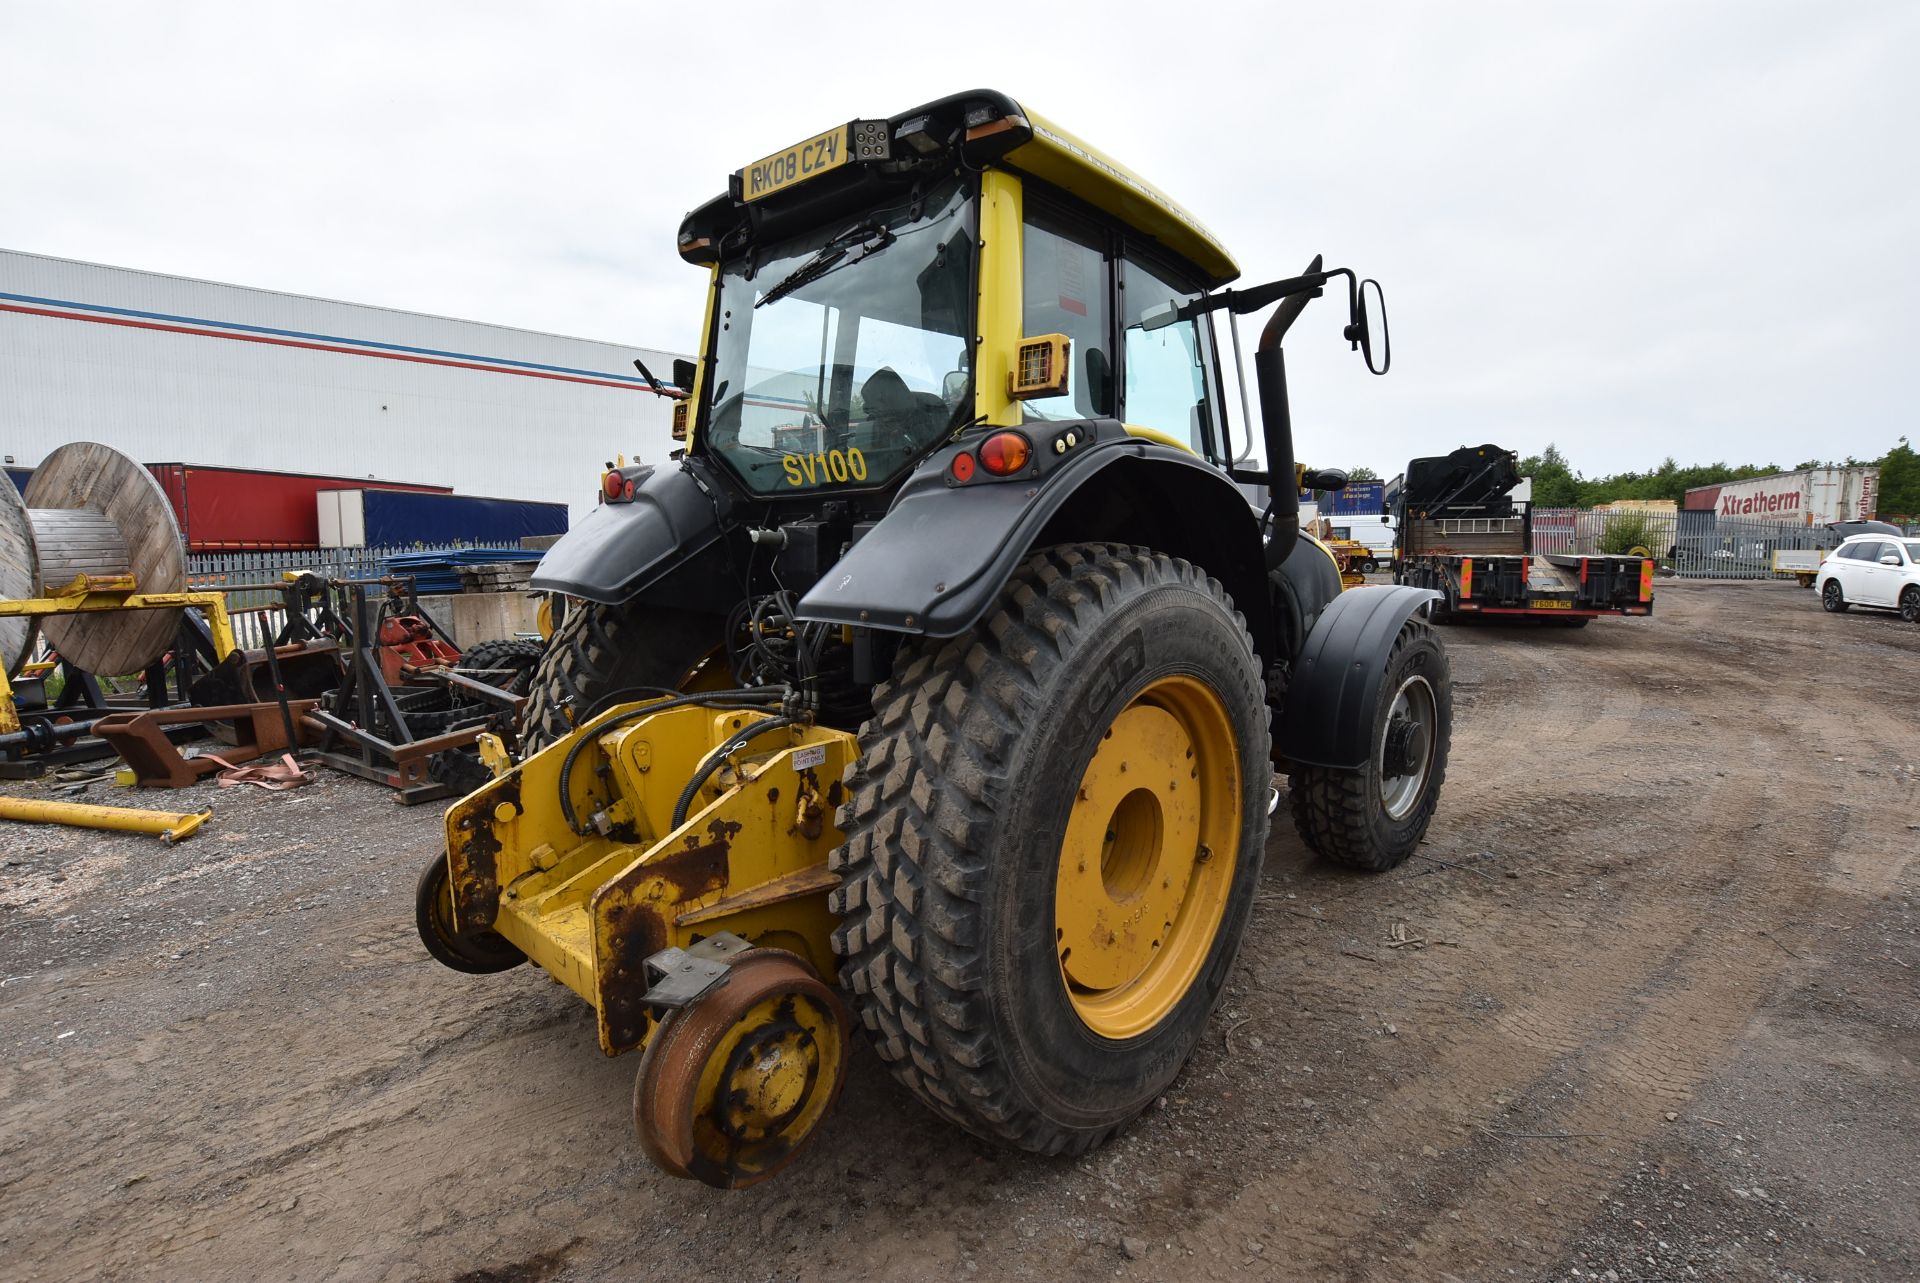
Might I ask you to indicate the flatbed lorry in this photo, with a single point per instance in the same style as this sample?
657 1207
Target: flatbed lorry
1460 532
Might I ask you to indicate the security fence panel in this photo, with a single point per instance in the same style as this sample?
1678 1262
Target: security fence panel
1694 545
1711 546
250 579
1578 532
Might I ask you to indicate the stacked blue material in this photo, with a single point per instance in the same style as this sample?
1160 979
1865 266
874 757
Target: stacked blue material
438 571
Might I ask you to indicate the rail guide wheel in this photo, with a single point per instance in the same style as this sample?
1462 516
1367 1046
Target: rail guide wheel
732 1087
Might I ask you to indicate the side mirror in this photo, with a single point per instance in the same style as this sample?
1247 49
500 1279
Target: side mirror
1160 316
954 386
1890 559
1368 328
1324 479
683 371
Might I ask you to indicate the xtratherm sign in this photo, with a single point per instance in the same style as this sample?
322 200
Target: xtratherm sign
1811 496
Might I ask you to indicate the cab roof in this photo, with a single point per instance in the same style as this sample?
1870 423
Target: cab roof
1089 173
978 127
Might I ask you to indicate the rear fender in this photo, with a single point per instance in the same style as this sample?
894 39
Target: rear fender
937 562
620 548
1335 686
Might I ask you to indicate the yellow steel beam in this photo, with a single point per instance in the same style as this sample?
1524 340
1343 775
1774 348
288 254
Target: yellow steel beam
89 601
169 826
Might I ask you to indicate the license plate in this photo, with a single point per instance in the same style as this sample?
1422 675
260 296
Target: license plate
1547 603
818 155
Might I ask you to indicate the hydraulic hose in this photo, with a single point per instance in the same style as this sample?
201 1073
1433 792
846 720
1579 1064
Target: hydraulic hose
748 698
714 760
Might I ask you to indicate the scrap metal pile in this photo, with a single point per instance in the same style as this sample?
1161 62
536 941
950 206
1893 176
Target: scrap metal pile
353 670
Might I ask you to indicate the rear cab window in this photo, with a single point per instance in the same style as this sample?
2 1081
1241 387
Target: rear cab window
1065 286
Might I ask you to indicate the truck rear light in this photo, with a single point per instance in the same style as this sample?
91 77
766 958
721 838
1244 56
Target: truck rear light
1583 571
962 466
1005 453
611 484
1646 580
1466 576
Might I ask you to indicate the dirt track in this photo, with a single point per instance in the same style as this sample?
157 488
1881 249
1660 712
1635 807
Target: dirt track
1654 1018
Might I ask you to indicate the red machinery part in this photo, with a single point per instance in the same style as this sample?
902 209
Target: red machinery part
408 642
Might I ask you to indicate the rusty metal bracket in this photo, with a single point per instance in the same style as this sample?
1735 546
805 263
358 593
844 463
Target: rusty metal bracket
681 977
141 739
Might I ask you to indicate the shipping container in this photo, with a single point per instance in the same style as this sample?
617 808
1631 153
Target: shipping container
403 519
234 509
1810 496
1359 499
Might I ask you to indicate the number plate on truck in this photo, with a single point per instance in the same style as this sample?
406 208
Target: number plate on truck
810 159
1548 603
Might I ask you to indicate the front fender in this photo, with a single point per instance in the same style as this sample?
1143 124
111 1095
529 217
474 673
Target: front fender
937 561
622 547
1335 686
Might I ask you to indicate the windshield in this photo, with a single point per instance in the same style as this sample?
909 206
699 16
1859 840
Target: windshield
842 356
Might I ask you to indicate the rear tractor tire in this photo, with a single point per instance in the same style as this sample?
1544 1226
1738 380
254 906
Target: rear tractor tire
1053 837
1373 818
599 651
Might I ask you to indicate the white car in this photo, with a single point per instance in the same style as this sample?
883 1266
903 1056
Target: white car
1873 570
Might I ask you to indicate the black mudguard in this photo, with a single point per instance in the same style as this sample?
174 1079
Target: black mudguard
938 560
1328 716
622 547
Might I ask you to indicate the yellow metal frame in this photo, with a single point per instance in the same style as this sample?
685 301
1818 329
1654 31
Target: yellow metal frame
750 857
93 594
1002 233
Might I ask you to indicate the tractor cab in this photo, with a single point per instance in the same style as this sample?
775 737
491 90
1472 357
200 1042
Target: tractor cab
887 285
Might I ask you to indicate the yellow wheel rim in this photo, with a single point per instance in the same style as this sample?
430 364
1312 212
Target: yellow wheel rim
1147 864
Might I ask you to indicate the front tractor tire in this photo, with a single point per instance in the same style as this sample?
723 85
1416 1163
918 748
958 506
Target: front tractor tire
1374 818
1053 837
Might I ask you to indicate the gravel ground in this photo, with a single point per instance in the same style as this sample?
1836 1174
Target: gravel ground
1644 1009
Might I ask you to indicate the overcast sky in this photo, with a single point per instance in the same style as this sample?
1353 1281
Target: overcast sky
1630 229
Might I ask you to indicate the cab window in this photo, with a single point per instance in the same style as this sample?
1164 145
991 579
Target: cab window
1064 291
1166 368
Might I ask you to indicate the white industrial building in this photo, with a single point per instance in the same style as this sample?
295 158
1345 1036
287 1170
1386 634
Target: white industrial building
170 369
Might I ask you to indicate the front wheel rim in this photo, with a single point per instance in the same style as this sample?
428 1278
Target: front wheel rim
1405 749
1910 606
1147 861
1832 594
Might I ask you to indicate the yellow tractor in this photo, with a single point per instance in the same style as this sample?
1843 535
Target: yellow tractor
938 688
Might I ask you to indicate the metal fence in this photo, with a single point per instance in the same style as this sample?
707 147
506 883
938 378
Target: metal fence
257 612
1695 545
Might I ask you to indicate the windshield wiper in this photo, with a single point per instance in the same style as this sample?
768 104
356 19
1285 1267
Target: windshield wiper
832 255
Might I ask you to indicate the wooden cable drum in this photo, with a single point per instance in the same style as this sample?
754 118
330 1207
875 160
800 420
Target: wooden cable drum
94 511
17 562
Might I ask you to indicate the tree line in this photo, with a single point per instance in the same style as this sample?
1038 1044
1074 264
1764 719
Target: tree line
1557 485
